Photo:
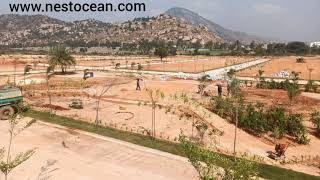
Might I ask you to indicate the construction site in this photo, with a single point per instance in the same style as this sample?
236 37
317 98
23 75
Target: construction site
163 99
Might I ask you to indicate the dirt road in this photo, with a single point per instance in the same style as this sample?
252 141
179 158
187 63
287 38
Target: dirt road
90 157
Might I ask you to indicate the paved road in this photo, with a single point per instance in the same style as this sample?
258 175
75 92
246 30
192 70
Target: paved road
91 157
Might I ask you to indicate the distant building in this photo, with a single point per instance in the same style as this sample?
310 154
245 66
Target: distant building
315 44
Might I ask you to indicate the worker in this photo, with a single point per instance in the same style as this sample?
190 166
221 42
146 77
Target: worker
219 90
138 84
280 149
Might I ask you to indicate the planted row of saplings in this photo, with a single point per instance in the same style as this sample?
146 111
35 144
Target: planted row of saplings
311 85
258 119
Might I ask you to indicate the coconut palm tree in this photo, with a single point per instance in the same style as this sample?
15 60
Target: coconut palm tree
60 56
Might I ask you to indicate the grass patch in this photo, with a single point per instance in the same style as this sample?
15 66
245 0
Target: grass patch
266 171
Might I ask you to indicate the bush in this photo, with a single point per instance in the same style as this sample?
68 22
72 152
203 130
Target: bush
292 91
273 84
295 128
222 107
310 86
300 60
256 120
315 119
276 118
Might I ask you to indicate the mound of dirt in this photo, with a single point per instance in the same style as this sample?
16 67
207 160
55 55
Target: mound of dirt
55 107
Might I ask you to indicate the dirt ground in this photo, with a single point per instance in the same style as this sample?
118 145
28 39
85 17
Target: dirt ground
125 108
198 65
7 61
86 157
288 64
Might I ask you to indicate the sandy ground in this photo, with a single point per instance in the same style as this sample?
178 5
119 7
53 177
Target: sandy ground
198 65
288 64
7 61
312 95
124 98
87 157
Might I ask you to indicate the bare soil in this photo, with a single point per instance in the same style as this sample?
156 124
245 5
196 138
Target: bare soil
288 64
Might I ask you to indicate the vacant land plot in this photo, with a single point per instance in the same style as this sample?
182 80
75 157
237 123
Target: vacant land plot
197 65
87 157
7 61
274 68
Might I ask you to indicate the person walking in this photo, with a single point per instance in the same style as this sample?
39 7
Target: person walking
138 88
219 90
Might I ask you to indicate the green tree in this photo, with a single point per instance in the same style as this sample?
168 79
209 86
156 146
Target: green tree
252 45
237 100
154 96
196 46
162 52
209 45
7 163
60 56
297 48
293 88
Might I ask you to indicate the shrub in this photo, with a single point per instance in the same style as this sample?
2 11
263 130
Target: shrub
296 128
315 119
292 91
272 84
276 118
222 107
310 86
256 120
253 120
140 67
300 60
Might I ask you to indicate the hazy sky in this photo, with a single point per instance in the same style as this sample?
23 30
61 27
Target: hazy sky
283 19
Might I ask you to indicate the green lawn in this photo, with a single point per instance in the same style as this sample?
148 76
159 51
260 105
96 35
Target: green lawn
266 171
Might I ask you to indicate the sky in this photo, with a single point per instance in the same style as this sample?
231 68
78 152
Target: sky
287 20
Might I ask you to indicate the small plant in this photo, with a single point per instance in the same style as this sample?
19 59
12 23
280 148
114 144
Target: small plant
203 80
310 86
292 91
140 67
300 59
7 163
315 119
118 66
201 128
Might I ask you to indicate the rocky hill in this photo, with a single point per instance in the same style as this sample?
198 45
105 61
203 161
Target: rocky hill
226 34
39 30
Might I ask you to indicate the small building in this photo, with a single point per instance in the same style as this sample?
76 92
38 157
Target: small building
315 44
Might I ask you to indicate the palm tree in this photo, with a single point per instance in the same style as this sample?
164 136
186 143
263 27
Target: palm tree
60 56
27 69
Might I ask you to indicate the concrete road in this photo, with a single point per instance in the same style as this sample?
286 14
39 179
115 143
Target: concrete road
87 156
